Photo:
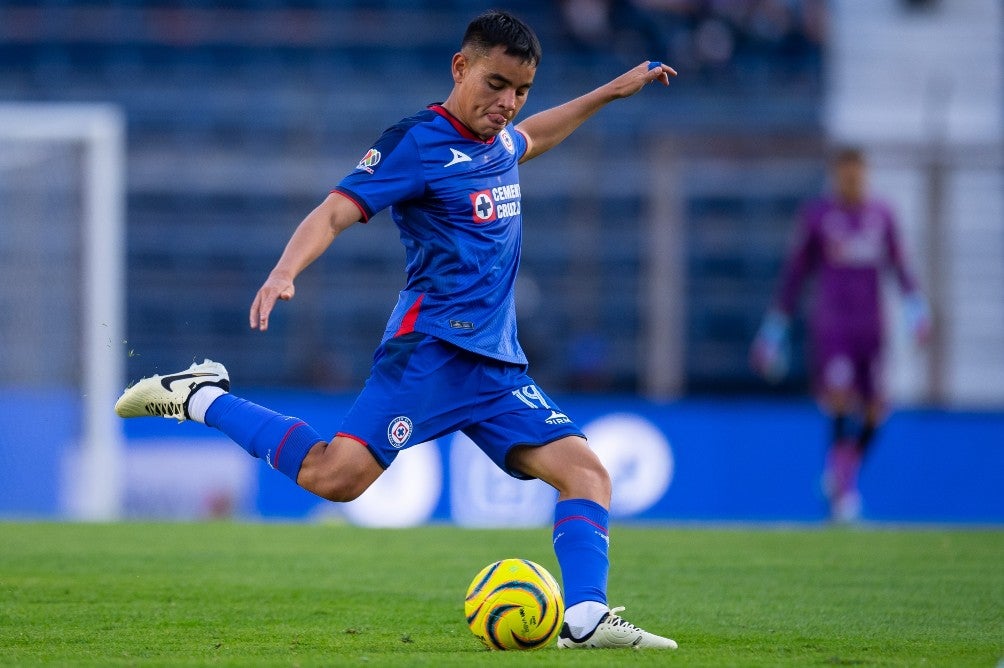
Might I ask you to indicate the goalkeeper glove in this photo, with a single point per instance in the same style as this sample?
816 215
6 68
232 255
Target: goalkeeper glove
918 316
769 355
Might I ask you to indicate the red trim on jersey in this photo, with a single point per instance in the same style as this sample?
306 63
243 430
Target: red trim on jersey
354 438
408 322
362 210
458 125
526 142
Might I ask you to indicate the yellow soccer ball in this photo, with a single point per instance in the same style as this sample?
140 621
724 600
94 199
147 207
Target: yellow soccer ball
514 604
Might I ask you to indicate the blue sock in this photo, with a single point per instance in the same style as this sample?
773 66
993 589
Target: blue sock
581 544
280 440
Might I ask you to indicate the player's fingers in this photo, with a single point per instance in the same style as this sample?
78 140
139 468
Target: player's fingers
253 314
263 314
260 310
269 293
658 71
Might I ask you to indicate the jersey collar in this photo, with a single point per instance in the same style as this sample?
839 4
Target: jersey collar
458 125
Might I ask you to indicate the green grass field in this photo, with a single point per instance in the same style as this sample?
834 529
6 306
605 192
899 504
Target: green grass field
326 595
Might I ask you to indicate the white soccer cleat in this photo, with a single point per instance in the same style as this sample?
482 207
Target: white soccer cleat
614 632
167 396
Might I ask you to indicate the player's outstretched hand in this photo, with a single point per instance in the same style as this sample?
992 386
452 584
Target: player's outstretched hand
918 317
638 77
769 354
274 289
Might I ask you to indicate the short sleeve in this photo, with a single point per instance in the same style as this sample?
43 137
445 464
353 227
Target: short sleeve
519 141
389 172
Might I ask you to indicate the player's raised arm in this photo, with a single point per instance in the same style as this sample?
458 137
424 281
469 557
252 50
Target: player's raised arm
547 129
311 238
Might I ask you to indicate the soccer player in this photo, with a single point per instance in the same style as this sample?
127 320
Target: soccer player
847 240
449 359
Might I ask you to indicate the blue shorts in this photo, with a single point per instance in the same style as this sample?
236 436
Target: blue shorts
422 388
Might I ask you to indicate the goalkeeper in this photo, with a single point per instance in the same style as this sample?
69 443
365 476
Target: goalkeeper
847 240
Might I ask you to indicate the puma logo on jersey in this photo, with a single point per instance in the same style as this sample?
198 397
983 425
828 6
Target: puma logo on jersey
458 157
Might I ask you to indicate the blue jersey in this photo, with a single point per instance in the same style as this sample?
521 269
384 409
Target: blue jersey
456 201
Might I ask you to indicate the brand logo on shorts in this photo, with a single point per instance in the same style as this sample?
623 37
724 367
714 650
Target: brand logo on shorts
558 418
399 431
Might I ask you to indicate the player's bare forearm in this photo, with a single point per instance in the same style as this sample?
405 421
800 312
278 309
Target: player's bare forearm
312 237
547 129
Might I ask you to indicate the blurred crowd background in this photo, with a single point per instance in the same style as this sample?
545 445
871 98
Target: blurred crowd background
653 237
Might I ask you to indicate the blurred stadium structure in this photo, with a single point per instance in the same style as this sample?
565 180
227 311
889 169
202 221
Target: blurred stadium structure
62 192
652 239
241 119
639 271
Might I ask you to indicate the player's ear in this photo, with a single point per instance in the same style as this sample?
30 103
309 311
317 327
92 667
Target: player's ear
459 67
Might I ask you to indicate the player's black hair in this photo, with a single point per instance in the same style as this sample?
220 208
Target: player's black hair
500 28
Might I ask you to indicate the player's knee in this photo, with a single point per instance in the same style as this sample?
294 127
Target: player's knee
332 483
344 494
588 479
339 488
340 471
599 479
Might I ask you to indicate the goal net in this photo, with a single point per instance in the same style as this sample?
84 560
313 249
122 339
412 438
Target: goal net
61 285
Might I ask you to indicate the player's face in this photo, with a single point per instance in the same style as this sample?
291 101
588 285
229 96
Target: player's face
850 180
489 90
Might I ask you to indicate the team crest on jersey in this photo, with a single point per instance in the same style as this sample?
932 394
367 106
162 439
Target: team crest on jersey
369 160
507 141
483 205
399 431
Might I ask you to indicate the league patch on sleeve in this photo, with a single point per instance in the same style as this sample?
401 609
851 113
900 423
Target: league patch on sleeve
369 161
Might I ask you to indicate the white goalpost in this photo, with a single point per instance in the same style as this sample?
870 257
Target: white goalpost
62 197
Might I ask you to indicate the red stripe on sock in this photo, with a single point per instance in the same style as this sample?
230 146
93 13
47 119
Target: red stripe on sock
278 450
580 517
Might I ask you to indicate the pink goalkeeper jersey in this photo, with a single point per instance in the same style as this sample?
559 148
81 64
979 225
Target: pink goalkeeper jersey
847 249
